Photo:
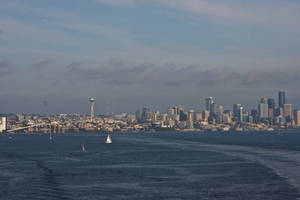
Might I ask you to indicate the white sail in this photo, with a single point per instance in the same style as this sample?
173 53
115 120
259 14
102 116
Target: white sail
83 148
108 140
50 137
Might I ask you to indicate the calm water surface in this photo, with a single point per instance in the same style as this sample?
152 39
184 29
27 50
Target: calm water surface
151 166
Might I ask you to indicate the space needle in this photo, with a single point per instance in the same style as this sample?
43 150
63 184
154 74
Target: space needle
92 100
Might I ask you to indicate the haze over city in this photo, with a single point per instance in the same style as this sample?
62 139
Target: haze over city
128 54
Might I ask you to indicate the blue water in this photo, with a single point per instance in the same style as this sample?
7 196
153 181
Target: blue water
151 166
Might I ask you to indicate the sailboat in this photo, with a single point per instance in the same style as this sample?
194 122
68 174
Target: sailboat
50 137
83 148
108 139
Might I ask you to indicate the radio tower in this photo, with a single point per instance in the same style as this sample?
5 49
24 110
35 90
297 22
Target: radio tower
92 100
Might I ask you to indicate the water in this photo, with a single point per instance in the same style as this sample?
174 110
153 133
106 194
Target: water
151 166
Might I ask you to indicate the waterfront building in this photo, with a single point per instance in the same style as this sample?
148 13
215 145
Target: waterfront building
20 117
297 117
3 124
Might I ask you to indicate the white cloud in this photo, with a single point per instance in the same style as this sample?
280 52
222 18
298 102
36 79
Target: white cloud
276 13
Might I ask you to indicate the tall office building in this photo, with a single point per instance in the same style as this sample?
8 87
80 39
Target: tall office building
254 115
214 109
156 116
138 114
183 116
263 109
229 113
205 115
287 112
281 99
297 117
236 111
208 102
241 114
219 115
145 114
198 117
271 108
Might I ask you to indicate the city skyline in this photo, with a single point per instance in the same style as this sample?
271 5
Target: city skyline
268 106
213 117
128 53
205 104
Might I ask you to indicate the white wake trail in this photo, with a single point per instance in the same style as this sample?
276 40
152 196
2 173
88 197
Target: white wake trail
284 163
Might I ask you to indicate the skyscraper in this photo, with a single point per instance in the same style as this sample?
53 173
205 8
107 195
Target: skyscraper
219 115
271 108
208 102
263 109
145 114
281 99
241 114
287 112
297 117
205 115
213 109
138 114
236 111
254 115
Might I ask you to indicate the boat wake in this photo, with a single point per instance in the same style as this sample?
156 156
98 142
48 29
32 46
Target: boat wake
284 163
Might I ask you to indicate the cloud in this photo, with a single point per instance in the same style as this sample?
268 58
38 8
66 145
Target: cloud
4 64
41 65
271 77
277 13
5 68
151 74
117 2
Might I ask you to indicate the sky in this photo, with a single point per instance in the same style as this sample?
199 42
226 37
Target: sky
55 54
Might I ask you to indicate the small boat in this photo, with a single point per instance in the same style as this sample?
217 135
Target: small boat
83 148
108 139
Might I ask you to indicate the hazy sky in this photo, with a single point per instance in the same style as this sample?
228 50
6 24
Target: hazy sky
54 54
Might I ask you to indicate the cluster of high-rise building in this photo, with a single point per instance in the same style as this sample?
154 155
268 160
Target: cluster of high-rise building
267 116
268 113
